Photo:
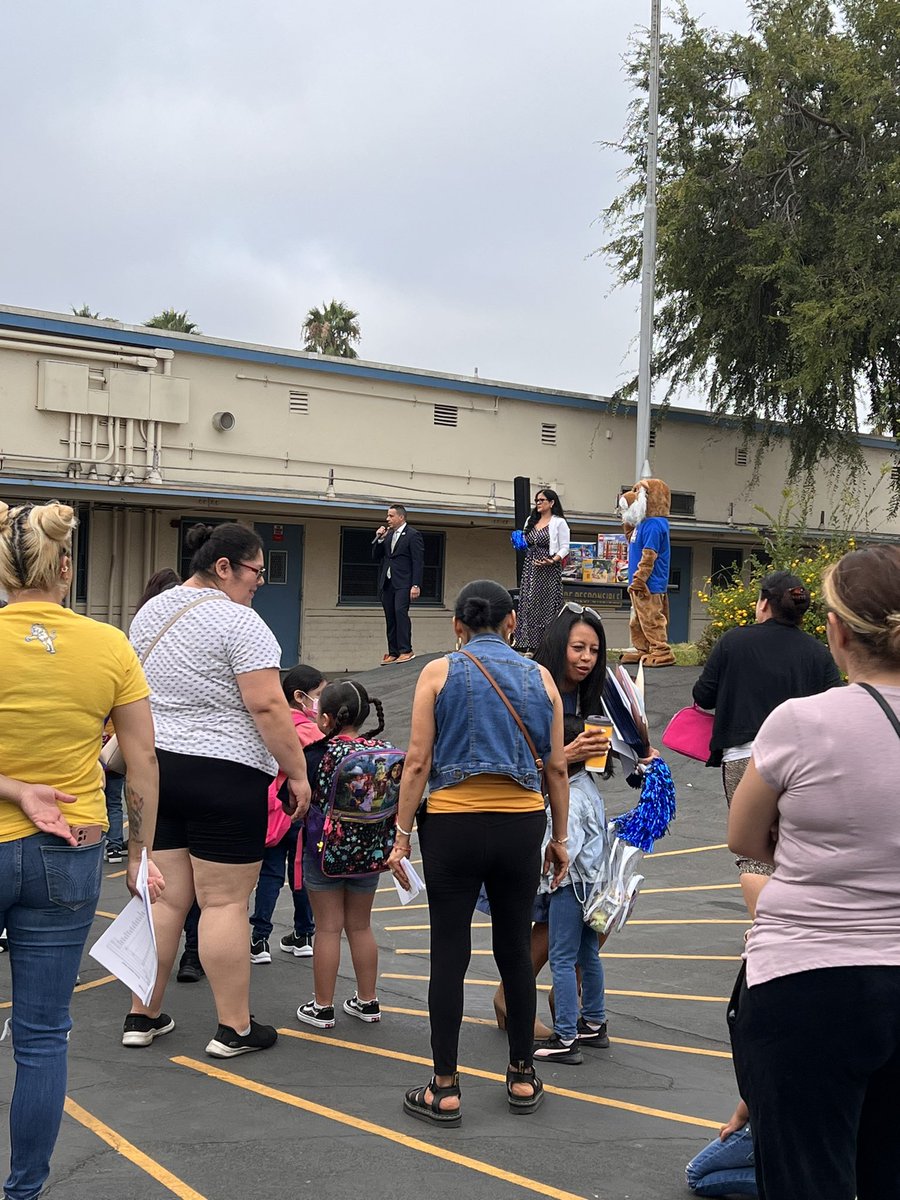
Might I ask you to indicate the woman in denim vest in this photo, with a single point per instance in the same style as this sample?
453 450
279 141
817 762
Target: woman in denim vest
484 823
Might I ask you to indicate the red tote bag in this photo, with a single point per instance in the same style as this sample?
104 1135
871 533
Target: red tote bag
689 733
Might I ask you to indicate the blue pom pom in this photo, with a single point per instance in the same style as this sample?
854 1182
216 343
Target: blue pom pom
517 537
649 820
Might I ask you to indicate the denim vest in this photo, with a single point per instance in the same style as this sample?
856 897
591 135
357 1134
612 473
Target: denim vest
476 734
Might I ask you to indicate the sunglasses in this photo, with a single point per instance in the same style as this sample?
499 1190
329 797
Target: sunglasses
579 610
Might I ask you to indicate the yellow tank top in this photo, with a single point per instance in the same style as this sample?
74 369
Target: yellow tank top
485 793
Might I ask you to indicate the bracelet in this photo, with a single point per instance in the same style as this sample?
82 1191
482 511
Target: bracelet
559 841
407 833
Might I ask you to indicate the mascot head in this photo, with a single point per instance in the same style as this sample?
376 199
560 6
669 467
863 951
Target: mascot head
648 498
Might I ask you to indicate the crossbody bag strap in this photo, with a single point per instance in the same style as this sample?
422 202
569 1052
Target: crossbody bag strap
538 761
883 704
171 621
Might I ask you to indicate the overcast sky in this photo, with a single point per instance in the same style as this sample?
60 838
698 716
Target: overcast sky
436 167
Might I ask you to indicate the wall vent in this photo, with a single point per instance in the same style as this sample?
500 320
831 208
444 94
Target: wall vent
740 456
895 474
682 504
298 402
652 438
446 415
548 434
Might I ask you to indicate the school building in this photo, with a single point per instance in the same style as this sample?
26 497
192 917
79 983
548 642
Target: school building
147 431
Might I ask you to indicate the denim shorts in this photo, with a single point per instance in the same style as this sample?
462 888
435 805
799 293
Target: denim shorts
315 881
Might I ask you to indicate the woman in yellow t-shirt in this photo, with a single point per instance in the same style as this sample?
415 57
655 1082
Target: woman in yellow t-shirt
61 675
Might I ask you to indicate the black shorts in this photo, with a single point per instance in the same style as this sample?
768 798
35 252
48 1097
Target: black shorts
216 809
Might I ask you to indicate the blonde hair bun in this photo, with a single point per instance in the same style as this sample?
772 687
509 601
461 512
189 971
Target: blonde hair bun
55 521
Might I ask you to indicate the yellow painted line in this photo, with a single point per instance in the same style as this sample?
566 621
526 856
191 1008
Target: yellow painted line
694 887
545 987
414 928
81 987
158 1172
477 1073
616 1040
633 921
117 874
604 954
690 850
109 916
398 907
360 1125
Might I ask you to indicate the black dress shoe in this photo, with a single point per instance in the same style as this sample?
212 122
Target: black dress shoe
190 969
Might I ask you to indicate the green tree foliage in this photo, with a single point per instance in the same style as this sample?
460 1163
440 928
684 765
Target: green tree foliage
778 279
178 322
331 329
85 311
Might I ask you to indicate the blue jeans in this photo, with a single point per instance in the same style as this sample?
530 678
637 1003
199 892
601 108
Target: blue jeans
724 1168
572 942
48 895
278 862
113 791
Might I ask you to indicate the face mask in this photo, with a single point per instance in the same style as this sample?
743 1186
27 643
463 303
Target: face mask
313 705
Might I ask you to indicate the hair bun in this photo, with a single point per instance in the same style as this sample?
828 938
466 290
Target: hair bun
55 521
476 612
198 535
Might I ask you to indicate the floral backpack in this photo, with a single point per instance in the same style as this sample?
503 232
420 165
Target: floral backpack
353 831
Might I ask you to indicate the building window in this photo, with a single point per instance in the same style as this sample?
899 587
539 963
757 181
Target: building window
446 415
682 504
359 574
298 402
548 434
727 562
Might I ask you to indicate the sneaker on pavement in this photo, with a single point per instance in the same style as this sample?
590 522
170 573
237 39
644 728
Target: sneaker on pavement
229 1044
114 854
554 1049
190 969
259 951
593 1035
298 944
312 1014
365 1010
140 1030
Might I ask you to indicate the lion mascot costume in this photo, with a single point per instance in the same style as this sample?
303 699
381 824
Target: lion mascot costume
645 515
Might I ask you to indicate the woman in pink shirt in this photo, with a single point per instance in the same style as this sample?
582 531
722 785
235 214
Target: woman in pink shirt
816 1023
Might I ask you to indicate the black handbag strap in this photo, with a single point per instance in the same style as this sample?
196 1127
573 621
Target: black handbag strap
883 705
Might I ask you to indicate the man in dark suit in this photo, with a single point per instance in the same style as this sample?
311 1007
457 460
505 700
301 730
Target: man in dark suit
400 553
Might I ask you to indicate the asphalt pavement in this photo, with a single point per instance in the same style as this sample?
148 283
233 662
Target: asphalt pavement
320 1114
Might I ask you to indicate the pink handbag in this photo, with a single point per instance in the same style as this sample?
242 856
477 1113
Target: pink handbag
689 733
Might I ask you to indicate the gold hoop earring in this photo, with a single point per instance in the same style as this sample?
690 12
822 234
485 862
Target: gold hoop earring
459 643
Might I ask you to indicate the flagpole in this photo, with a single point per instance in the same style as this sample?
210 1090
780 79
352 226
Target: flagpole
648 257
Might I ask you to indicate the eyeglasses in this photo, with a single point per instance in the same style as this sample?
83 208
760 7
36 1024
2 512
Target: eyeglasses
579 610
541 500
260 571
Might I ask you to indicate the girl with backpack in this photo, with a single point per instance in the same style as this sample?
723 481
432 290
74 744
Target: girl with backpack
349 833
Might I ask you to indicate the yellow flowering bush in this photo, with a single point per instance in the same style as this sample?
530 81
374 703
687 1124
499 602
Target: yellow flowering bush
786 547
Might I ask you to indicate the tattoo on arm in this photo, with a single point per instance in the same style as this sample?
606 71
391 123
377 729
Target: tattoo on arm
134 802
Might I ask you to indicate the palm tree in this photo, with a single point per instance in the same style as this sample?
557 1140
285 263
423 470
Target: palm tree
331 329
178 322
85 311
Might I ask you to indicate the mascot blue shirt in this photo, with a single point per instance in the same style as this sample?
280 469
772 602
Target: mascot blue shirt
651 534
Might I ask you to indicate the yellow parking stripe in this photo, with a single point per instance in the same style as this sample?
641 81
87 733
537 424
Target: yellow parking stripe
545 987
645 921
694 887
361 1125
689 850
679 957
616 1040
158 1172
81 987
477 1073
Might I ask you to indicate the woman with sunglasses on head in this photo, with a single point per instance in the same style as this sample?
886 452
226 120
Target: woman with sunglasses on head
573 650
540 592
223 730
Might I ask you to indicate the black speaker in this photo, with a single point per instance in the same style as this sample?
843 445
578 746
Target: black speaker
523 505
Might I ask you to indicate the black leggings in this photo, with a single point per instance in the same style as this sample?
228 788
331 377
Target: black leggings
460 851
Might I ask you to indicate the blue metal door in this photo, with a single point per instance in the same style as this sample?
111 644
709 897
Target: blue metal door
680 593
278 602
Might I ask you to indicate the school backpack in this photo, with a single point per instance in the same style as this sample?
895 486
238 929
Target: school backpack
359 783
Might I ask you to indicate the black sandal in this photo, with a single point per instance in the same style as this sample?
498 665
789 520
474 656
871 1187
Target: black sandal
522 1105
417 1106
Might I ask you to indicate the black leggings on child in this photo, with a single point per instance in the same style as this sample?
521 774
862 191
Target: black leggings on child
460 851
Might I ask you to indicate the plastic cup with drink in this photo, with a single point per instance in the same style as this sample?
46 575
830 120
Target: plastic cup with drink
598 724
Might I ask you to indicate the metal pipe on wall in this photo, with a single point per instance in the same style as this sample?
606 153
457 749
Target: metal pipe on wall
95 429
132 360
22 335
128 455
